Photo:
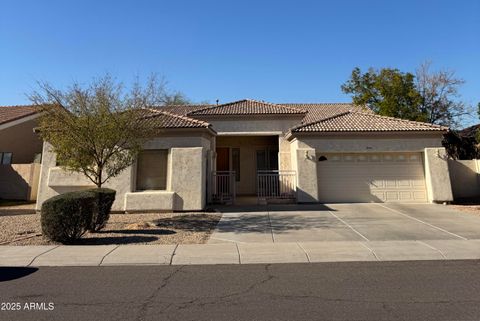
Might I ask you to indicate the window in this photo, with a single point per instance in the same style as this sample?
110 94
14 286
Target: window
267 159
152 170
236 163
5 158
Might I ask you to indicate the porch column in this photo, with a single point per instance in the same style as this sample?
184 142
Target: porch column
284 158
307 187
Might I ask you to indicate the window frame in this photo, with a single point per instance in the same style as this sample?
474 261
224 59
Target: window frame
137 164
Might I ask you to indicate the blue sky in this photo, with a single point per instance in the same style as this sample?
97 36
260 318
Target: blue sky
279 51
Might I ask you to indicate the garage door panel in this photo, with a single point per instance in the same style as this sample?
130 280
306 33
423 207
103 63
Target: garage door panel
390 177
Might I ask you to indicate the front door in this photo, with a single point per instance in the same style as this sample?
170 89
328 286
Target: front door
223 159
223 179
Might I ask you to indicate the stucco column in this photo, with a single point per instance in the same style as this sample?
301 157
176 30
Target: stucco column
437 176
188 178
284 158
307 188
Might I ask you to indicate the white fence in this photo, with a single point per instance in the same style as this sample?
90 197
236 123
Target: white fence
223 187
276 184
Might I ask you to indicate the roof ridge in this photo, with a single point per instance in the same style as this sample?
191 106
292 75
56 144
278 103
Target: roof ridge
16 106
193 120
321 120
179 105
211 107
330 103
274 104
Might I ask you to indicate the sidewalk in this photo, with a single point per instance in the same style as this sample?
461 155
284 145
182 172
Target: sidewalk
238 253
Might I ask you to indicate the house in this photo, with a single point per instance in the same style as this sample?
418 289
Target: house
273 152
20 151
470 132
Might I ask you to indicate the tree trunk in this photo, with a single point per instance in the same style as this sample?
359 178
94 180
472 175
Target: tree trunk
99 178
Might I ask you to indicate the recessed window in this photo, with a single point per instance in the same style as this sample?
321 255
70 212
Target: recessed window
152 170
5 158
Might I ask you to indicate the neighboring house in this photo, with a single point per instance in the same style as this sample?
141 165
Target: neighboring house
470 132
20 152
299 152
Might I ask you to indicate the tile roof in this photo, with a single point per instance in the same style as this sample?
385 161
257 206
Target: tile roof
164 119
355 121
247 107
182 109
319 111
470 131
318 117
11 113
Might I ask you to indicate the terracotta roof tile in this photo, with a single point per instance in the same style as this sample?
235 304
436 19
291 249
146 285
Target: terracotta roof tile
182 109
164 119
247 107
11 113
355 121
319 111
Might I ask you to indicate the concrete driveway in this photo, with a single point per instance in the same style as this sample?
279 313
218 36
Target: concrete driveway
344 222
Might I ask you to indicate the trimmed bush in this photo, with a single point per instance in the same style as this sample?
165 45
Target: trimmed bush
66 217
104 198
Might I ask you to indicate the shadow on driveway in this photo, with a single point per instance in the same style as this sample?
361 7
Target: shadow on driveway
13 273
272 208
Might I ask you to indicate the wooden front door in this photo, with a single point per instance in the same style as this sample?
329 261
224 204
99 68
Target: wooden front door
223 159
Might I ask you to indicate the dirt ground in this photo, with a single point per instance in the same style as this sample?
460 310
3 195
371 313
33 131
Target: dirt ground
468 205
21 226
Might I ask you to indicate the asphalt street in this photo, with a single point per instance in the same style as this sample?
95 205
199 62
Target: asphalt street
420 290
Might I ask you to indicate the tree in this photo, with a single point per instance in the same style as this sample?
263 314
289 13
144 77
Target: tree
426 96
439 92
460 147
98 129
388 92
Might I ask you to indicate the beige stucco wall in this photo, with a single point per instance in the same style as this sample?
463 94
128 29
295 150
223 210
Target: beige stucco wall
19 181
464 177
307 188
21 141
437 175
186 179
284 156
253 125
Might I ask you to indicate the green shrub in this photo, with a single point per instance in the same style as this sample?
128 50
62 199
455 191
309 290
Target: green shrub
104 198
66 217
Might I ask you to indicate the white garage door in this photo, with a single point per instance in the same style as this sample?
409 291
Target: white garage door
369 177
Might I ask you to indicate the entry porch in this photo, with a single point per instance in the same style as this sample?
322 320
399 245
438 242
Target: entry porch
251 169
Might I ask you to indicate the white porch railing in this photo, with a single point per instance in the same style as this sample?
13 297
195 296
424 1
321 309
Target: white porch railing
223 187
274 184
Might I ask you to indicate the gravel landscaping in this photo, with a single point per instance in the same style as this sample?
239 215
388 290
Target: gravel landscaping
468 205
18 228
